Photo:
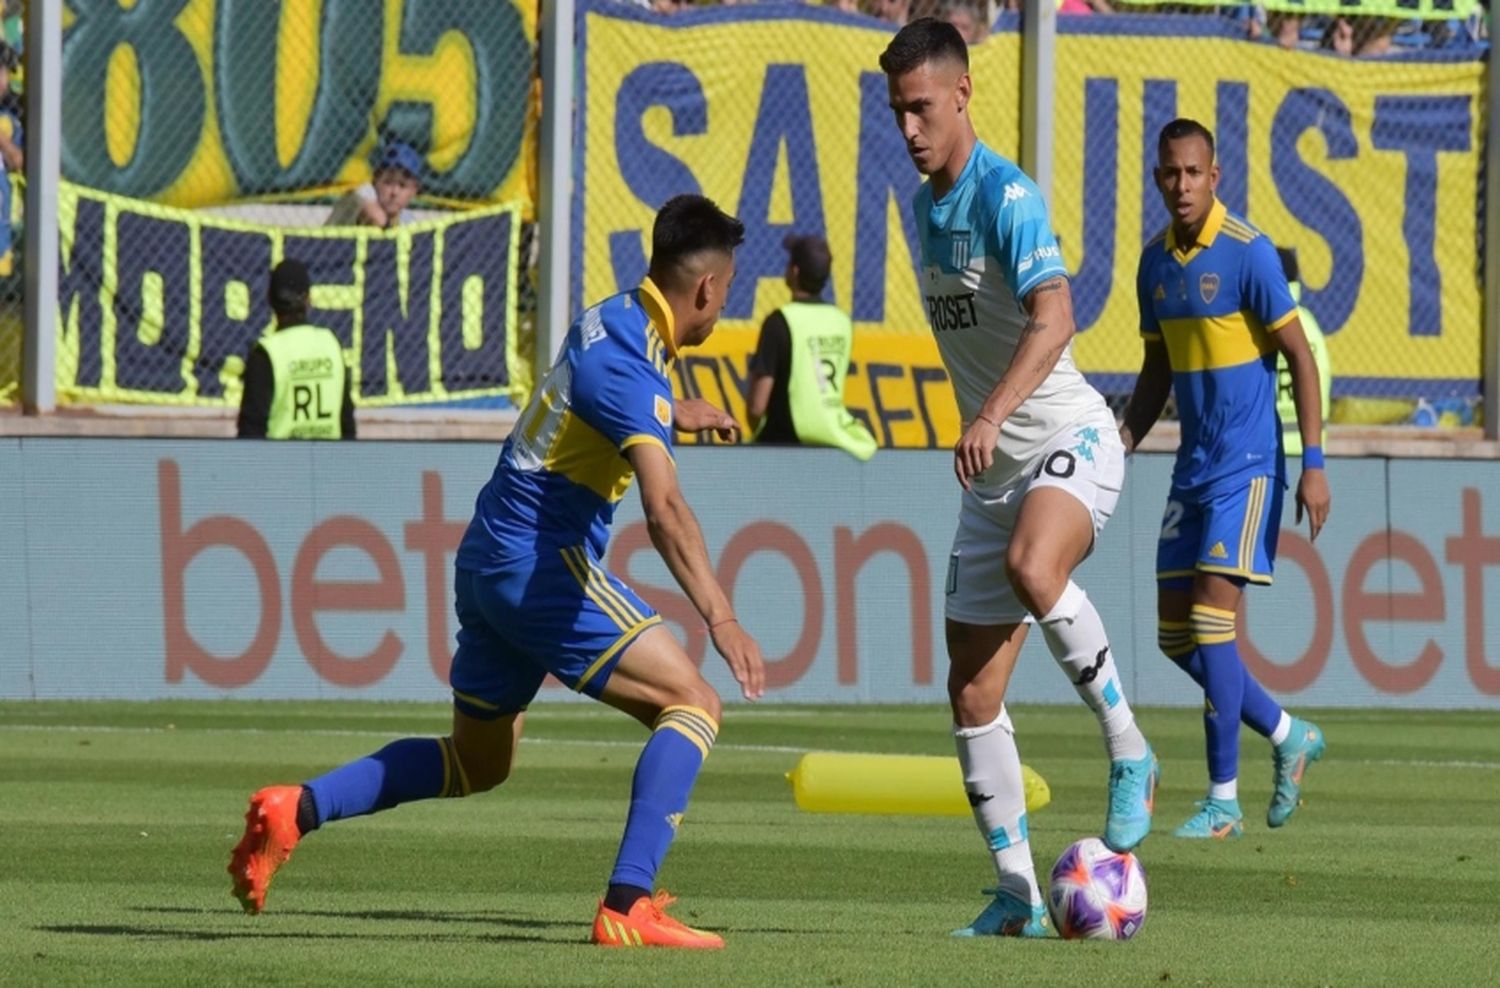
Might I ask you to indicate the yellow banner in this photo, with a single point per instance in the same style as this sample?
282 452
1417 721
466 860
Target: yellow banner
784 121
204 102
1349 161
161 305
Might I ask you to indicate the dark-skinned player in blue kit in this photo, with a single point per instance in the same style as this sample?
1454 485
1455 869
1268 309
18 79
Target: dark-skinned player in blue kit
533 595
1215 311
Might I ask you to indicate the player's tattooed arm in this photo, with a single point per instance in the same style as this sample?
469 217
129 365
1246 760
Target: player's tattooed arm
1046 334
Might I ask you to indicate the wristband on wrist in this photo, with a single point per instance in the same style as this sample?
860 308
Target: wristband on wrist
1312 458
985 418
720 624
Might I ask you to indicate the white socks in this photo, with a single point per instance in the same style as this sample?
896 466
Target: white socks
992 779
1076 637
1283 728
1224 790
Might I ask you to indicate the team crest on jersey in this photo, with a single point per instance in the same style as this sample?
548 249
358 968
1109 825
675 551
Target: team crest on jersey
959 248
1208 287
663 411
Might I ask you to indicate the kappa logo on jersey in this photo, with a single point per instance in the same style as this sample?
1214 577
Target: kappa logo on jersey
958 246
1208 286
1014 192
1218 551
663 411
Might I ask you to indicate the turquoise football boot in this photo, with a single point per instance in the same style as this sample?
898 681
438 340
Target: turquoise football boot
1216 819
1132 797
1303 746
1008 916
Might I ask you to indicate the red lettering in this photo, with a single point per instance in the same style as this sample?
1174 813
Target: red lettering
434 537
1361 608
850 554
1305 670
1472 550
309 596
178 549
769 536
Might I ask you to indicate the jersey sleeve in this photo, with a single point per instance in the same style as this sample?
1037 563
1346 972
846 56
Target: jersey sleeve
1020 235
1150 328
1264 288
621 395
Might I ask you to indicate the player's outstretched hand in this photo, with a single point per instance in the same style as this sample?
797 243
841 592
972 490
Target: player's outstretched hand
742 654
696 415
1313 497
975 450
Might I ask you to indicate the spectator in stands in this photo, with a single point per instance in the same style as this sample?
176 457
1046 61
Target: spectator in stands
896 12
12 157
396 181
847 6
295 385
1338 36
797 373
969 17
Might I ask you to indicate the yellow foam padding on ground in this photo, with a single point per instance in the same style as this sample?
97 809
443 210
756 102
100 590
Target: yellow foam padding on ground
836 782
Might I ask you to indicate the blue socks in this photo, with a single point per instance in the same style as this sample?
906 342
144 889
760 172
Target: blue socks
402 771
1259 711
664 777
1223 687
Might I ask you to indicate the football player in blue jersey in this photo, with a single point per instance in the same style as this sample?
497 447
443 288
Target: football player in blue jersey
1039 464
1215 311
534 597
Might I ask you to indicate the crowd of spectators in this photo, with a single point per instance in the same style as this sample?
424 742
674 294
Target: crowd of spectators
1351 35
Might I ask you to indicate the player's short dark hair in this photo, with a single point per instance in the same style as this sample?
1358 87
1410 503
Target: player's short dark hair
1180 128
689 225
924 40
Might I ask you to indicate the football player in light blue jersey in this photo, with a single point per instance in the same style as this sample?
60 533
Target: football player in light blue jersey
1040 465
533 596
1215 310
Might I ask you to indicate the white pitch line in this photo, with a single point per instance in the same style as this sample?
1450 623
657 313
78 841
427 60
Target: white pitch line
606 743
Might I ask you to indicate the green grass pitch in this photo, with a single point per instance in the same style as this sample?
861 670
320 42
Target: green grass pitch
116 822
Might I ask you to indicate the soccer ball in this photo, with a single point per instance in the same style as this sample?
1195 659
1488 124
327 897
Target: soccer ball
1097 894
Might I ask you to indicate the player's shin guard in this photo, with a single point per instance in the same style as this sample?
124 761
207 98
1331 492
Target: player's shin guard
992 778
1075 635
664 777
401 772
1224 689
1258 711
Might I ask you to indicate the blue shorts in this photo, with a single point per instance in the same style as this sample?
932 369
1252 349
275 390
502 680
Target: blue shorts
557 611
1232 532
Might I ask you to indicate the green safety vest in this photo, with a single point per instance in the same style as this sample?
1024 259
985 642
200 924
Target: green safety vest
307 368
821 340
1286 399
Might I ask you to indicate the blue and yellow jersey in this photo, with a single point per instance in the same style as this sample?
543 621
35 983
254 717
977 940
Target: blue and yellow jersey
1215 304
563 469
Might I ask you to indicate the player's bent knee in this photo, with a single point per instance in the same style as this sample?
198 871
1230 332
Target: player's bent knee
1035 579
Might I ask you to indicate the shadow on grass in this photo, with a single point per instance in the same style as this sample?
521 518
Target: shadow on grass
387 915
210 936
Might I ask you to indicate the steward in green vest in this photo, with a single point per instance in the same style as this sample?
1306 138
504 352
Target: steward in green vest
295 384
1286 405
798 370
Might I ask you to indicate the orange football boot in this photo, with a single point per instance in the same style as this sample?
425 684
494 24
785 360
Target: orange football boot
270 834
648 925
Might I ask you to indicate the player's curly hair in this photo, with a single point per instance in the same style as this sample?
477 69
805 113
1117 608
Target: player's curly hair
1180 128
689 225
924 40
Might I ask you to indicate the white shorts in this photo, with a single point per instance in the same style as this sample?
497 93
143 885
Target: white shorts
1086 459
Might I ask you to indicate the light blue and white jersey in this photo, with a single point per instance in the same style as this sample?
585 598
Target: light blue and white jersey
985 245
